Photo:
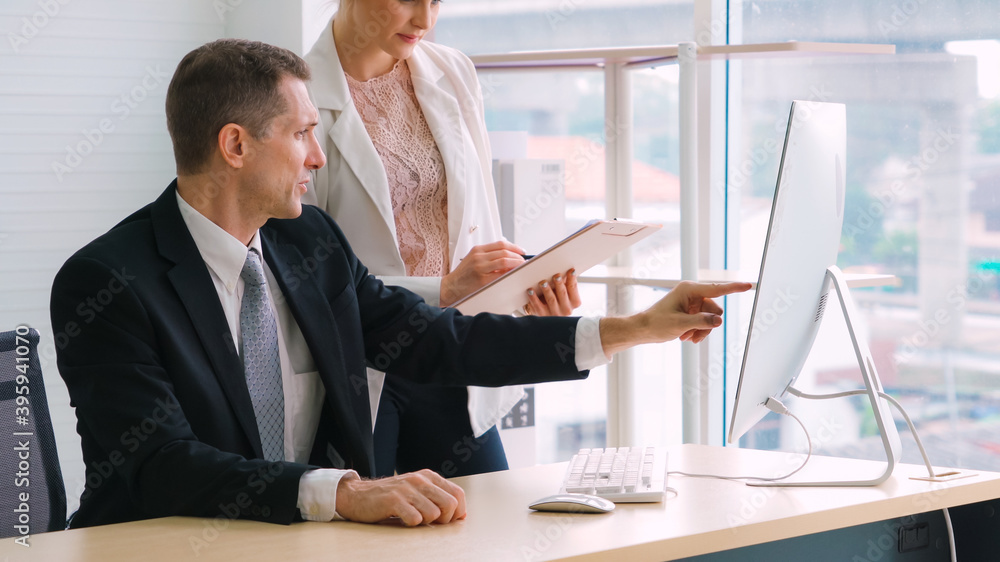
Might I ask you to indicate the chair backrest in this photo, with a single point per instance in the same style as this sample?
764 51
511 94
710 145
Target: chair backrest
33 498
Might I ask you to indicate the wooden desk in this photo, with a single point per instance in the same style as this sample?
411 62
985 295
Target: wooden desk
707 516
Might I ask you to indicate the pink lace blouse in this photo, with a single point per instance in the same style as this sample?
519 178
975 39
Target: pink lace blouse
413 164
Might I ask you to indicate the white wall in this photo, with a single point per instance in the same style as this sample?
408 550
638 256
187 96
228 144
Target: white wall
83 138
271 21
316 15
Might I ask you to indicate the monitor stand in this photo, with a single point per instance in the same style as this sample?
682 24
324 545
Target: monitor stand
873 387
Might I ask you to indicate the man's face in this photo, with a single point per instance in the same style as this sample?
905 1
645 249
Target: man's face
278 165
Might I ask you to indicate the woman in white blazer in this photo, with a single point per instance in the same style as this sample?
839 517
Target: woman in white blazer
420 122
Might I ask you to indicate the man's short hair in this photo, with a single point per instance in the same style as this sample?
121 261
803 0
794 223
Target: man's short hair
226 81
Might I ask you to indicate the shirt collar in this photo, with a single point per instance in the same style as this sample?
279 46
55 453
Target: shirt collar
222 252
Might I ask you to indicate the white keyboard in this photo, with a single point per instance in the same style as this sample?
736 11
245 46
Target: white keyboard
622 475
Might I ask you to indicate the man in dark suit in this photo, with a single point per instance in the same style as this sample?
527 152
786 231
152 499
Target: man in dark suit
214 343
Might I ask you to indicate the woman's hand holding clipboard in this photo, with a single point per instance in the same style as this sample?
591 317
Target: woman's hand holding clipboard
585 248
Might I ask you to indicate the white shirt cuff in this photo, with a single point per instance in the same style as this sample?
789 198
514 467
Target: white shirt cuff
318 493
427 287
589 349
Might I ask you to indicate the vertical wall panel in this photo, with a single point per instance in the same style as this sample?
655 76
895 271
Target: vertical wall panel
83 143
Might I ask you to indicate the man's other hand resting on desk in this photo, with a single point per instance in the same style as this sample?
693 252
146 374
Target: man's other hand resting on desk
416 498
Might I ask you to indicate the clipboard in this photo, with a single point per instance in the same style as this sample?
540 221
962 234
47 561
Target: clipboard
585 248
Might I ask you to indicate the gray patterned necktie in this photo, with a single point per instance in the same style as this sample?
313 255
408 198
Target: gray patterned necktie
260 359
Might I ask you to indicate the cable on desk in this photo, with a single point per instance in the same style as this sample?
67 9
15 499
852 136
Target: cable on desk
916 437
777 407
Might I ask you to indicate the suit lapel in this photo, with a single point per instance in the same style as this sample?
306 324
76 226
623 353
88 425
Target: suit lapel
311 310
193 283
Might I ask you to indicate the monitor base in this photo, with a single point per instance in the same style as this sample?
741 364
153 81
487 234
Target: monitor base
873 389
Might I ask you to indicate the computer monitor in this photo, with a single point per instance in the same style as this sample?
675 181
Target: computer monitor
798 269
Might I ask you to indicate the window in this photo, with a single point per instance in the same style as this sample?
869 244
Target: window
922 203
922 200
562 114
564 117
486 26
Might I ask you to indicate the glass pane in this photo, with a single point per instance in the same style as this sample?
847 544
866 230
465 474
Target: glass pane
656 199
488 26
923 203
562 115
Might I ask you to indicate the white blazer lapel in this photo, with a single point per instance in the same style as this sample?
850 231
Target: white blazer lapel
356 148
348 130
444 117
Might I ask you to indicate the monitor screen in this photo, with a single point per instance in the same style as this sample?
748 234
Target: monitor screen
803 238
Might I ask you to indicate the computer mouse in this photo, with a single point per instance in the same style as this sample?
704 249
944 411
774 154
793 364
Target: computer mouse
573 503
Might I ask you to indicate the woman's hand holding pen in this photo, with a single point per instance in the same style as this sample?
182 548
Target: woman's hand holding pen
484 263
481 265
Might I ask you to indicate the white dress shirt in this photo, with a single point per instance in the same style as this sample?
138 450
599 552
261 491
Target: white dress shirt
304 392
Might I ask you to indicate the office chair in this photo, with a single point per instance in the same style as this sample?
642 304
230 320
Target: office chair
29 463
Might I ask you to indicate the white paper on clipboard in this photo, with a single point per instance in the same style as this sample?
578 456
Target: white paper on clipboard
585 248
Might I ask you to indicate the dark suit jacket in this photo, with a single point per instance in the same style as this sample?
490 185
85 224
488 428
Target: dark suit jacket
162 404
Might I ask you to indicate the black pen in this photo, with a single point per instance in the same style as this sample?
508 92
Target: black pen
525 256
